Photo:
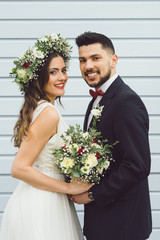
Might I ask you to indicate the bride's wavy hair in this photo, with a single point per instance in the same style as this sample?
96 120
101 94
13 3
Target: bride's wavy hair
35 92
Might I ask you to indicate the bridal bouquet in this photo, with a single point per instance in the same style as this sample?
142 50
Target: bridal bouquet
84 156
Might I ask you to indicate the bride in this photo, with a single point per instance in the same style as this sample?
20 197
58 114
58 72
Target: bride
39 207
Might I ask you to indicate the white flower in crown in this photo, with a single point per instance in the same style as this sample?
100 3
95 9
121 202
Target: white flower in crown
37 53
54 36
34 58
91 160
67 163
22 73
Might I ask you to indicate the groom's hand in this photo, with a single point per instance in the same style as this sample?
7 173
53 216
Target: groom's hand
80 198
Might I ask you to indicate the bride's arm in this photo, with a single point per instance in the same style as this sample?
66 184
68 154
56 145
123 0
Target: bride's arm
42 129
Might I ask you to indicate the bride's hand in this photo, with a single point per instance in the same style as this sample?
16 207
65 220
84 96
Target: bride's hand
79 187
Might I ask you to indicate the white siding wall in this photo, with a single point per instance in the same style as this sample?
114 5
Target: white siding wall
134 27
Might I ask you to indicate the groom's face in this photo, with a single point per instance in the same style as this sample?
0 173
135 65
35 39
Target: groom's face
95 64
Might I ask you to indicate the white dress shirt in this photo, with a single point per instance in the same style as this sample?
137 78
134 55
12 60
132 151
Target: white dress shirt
103 88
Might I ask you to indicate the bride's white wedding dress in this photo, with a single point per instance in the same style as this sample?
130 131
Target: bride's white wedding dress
33 214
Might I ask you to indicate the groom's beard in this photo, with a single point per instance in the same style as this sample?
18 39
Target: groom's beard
101 81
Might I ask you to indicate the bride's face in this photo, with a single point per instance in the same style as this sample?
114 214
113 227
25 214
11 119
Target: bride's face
57 78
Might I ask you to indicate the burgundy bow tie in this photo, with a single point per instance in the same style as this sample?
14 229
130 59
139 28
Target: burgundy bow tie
96 93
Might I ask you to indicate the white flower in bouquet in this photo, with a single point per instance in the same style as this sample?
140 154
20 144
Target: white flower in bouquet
73 147
68 139
85 170
95 145
85 135
106 165
100 170
92 160
54 36
67 163
43 39
88 164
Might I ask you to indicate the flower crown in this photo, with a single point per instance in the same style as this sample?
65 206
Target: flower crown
29 62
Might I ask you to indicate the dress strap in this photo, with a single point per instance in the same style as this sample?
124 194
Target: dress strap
41 105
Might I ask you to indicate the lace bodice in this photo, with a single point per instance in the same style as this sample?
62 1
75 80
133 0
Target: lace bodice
45 162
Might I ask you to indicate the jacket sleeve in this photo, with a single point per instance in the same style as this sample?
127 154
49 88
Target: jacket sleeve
130 127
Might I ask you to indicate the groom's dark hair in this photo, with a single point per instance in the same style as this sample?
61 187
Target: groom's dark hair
88 38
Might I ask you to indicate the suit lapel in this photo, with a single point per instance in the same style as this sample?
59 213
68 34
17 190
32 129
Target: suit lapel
105 101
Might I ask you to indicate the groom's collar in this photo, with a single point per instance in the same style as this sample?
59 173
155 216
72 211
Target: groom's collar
113 88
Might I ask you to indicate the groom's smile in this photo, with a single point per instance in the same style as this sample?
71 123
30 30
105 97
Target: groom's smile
92 74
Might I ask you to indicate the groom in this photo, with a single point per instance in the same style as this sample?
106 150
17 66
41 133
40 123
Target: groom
119 207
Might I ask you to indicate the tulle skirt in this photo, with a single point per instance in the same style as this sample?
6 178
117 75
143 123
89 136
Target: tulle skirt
33 214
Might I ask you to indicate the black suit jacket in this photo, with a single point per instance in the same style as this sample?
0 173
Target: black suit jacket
121 210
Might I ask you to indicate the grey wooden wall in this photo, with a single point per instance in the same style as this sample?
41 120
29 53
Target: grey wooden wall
134 27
